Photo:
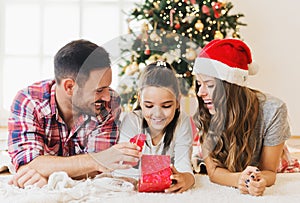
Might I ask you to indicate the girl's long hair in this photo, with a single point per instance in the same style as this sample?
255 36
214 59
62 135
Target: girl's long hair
229 132
161 74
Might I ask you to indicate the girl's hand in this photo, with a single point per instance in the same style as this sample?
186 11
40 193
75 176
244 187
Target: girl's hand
257 184
183 181
244 179
251 182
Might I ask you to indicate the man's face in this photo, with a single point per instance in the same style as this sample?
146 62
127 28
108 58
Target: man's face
90 98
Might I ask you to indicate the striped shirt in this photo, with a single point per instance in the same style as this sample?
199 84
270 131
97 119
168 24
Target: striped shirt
36 128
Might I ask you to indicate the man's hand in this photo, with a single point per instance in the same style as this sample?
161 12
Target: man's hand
27 176
183 181
117 157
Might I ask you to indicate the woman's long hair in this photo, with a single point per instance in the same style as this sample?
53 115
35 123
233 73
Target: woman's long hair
229 132
161 74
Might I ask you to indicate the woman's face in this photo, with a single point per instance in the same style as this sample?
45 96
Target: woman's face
158 107
206 86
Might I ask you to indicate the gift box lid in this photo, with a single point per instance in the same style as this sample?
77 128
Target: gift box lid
154 163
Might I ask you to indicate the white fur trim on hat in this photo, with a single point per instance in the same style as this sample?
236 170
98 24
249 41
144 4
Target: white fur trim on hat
221 71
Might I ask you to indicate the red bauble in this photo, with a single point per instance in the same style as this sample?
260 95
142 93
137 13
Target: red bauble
177 26
205 10
147 52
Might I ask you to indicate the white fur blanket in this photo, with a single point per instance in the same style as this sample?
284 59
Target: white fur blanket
104 189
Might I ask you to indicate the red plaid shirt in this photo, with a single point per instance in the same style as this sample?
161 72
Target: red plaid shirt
35 127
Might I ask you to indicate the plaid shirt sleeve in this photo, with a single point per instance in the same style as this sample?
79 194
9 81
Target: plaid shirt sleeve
24 139
108 129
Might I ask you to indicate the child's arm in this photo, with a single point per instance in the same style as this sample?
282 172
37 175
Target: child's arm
183 181
182 169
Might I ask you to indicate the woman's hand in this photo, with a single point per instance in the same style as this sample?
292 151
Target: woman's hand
251 182
257 184
183 181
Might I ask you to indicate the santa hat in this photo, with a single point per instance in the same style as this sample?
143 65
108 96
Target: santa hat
226 59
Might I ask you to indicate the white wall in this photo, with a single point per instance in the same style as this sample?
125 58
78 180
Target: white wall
273 33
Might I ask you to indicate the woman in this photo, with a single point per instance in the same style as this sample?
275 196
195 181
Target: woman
242 130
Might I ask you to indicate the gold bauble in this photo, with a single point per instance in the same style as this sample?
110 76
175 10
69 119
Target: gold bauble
156 5
218 35
132 68
236 35
199 25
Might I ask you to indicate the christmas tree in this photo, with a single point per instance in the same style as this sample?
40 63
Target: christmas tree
173 31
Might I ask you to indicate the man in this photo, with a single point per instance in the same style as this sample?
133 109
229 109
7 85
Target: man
71 123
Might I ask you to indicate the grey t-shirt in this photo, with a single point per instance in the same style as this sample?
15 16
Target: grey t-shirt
272 126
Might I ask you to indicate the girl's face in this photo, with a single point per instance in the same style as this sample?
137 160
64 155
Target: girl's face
206 86
158 107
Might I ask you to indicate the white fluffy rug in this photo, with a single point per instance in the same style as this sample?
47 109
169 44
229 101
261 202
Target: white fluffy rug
104 189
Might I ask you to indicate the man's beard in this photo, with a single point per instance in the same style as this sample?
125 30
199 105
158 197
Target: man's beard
94 110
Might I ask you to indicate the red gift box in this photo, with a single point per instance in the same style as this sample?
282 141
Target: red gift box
155 173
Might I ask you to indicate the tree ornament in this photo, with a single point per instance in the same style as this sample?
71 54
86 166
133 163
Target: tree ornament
132 68
153 58
147 50
154 36
199 25
190 54
188 18
236 35
217 7
172 11
177 26
145 34
156 5
206 10
218 35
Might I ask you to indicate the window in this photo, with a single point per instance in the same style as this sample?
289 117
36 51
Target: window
32 31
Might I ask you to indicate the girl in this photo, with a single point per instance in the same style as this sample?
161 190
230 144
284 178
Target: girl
168 131
242 130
